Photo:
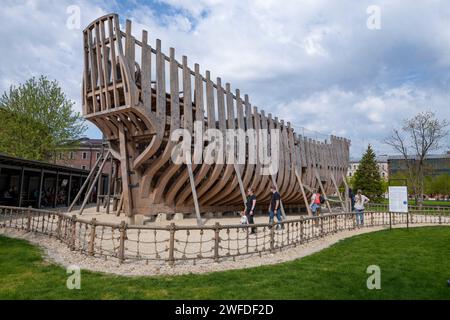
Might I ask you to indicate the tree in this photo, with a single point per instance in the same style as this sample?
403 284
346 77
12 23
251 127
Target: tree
36 119
415 140
367 177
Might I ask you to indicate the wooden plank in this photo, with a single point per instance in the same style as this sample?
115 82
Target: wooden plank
114 75
146 73
194 195
302 188
89 192
124 169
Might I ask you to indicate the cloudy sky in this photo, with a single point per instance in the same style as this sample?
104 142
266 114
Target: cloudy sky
312 62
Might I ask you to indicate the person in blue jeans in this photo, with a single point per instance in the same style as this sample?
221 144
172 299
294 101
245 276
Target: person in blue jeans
360 201
275 207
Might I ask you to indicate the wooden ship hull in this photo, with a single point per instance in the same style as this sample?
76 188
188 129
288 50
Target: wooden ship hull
137 96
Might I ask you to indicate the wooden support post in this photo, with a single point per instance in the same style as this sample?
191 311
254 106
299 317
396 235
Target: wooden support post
41 183
124 167
86 182
194 194
337 190
322 189
302 188
241 184
99 172
108 197
347 199
22 175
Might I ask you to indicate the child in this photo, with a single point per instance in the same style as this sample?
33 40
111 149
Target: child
244 219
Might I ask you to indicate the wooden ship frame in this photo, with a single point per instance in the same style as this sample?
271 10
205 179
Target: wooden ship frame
137 96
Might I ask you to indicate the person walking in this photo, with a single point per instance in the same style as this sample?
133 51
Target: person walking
250 205
351 195
275 207
360 201
315 203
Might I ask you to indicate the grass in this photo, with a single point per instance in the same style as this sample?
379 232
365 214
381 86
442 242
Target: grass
415 264
425 203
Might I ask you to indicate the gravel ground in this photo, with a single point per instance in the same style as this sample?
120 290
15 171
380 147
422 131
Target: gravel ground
58 252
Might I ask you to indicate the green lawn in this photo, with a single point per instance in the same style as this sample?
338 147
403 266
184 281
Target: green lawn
425 203
415 264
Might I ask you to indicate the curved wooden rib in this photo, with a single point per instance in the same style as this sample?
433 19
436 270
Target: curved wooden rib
130 105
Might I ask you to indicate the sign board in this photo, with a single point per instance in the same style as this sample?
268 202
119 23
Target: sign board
398 199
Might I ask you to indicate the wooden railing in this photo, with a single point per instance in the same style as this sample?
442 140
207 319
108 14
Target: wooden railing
176 244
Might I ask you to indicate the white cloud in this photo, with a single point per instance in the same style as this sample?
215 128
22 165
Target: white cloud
314 63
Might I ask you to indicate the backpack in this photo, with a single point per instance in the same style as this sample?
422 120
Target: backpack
322 199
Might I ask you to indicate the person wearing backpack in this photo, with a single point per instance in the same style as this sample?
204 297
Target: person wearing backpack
316 202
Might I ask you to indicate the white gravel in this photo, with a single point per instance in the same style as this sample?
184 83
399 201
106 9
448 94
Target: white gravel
58 252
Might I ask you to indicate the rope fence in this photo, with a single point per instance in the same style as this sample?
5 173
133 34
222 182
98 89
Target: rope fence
174 243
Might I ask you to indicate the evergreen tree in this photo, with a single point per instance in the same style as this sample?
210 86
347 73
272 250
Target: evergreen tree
36 119
367 177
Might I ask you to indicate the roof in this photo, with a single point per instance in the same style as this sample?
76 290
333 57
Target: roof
430 156
15 161
380 159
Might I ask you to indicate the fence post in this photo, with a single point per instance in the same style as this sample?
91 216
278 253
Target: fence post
407 220
29 219
58 226
73 232
217 240
272 239
440 216
92 237
172 244
301 231
335 224
321 226
390 220
122 230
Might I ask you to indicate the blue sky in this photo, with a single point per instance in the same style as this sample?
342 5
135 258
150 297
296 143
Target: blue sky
314 62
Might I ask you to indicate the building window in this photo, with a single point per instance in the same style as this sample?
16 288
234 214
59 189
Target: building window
83 167
84 155
349 174
98 155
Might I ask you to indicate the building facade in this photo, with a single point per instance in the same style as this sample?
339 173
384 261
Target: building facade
435 164
84 156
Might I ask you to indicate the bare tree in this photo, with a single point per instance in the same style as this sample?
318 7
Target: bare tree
415 140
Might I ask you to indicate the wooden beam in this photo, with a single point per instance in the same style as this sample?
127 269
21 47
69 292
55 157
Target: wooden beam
305 199
86 182
337 190
99 173
194 194
322 189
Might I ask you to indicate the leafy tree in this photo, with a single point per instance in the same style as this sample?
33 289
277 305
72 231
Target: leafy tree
36 119
367 177
415 140
438 185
